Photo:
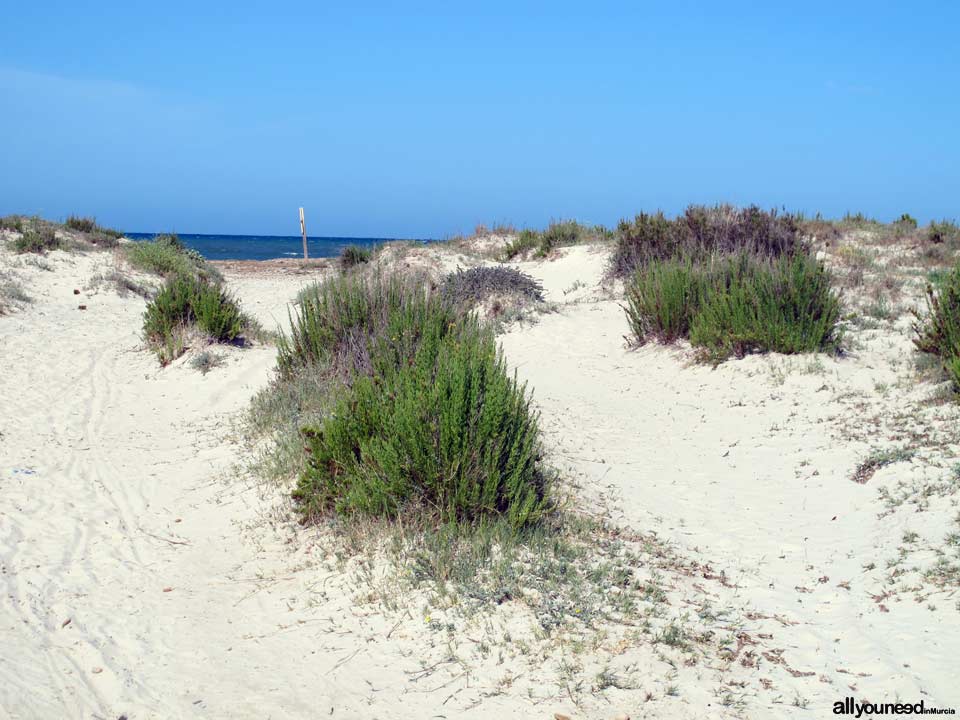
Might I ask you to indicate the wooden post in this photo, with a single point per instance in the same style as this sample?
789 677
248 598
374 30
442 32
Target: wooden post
303 231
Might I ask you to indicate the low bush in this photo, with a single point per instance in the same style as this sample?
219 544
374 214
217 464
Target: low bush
81 224
353 255
944 232
338 320
218 315
938 332
166 255
187 301
523 243
557 234
736 304
439 426
40 239
703 232
663 299
783 304
468 288
12 223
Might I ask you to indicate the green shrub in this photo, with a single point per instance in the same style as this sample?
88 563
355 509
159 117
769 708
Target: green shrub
81 224
557 234
218 315
443 428
185 301
945 231
907 221
782 305
939 332
12 223
337 321
524 242
353 255
736 304
166 255
39 239
702 232
663 298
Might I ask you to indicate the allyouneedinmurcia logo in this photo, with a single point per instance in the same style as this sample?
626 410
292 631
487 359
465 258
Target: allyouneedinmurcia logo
849 706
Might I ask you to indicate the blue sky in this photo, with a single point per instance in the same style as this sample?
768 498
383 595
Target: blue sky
422 119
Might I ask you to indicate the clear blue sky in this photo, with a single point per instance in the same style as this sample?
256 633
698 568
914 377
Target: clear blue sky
422 119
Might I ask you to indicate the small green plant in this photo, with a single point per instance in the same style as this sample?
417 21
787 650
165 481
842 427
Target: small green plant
353 255
206 361
944 232
186 301
880 459
558 234
12 294
938 332
81 224
38 240
12 223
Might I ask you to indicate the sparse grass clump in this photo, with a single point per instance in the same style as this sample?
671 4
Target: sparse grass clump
353 255
469 288
558 234
938 333
880 459
12 293
206 361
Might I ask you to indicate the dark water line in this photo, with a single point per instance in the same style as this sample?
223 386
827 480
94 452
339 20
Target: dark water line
266 247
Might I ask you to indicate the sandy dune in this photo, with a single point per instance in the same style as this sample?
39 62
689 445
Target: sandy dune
144 575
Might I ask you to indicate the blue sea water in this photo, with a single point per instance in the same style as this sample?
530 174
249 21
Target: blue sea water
265 247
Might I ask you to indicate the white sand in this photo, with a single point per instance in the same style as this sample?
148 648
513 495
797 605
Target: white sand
143 575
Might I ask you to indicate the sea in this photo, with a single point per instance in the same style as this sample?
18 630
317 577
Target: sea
266 247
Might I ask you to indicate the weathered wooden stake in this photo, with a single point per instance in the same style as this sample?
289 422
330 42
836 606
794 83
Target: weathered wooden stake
303 231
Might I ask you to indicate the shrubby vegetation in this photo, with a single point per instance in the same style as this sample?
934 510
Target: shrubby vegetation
558 234
353 255
39 240
732 281
166 255
469 288
414 409
702 232
938 333
946 232
192 300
